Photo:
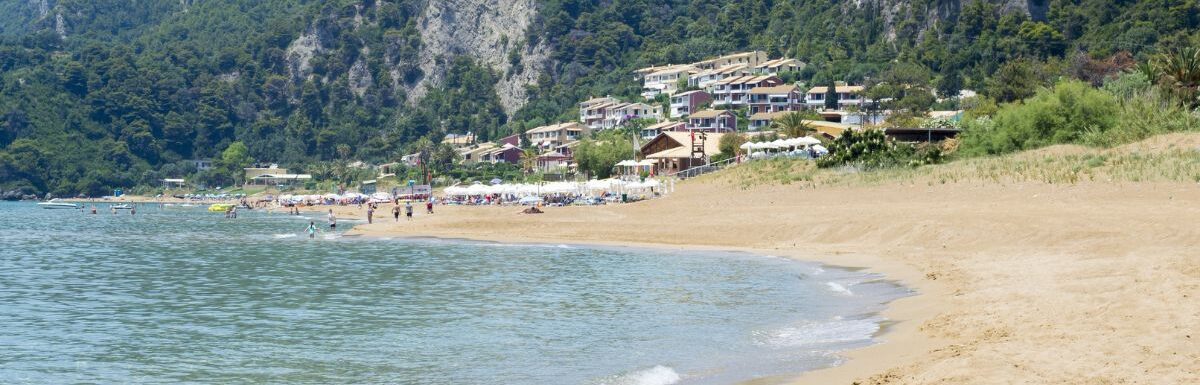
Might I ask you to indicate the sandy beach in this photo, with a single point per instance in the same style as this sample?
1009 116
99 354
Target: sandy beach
1087 283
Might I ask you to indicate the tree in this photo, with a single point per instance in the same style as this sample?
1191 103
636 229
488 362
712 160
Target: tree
529 160
233 160
831 96
1179 72
731 144
1016 80
793 125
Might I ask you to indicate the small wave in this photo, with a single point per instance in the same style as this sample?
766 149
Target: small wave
818 271
282 236
838 288
658 375
820 333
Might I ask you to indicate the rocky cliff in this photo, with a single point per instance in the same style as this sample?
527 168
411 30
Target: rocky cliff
489 31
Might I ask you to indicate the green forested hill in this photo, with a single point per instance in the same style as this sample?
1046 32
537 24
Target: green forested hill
129 90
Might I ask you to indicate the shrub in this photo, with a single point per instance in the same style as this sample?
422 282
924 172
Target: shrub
871 149
1059 115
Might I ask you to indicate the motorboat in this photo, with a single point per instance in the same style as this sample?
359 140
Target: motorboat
123 206
57 204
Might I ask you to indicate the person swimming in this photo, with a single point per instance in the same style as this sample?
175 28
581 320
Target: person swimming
312 229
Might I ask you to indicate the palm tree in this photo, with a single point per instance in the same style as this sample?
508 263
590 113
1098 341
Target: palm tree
793 125
529 160
1180 72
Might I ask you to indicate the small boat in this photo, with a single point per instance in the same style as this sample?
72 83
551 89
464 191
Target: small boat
57 204
124 206
220 207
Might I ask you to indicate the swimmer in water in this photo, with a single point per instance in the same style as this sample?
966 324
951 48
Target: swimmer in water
312 229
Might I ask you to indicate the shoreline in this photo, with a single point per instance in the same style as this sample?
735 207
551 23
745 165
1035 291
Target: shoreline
1009 277
898 331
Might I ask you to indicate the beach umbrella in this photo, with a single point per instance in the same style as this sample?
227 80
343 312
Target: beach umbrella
806 141
747 145
477 189
821 150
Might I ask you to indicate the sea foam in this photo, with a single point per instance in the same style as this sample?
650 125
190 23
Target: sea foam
283 236
822 333
838 288
658 375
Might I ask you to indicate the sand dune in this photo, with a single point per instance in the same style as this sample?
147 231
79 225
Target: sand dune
1088 283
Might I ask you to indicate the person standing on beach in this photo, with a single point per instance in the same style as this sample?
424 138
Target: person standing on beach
370 213
396 212
332 220
408 209
429 206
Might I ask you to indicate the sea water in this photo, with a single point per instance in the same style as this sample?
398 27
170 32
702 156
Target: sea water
181 295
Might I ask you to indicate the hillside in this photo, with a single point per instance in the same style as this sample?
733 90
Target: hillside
102 94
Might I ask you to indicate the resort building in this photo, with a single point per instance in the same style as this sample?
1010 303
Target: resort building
474 154
774 67
554 135
683 103
775 99
506 153
252 172
558 160
676 151
667 126
593 111
707 78
762 120
847 96
750 59
514 139
665 81
459 140
617 115
273 176
411 160
735 91
202 164
712 121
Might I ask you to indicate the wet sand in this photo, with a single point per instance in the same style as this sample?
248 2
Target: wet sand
1090 283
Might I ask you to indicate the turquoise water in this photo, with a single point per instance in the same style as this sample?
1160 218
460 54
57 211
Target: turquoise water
179 295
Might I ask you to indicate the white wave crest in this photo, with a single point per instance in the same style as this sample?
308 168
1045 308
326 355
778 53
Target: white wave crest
283 236
658 375
822 333
838 288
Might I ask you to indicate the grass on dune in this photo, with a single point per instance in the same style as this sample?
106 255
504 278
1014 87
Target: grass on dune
1054 165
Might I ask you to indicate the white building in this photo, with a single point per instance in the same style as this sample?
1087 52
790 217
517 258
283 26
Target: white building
847 96
665 81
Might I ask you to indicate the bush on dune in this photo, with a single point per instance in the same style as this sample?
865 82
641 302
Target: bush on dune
1064 114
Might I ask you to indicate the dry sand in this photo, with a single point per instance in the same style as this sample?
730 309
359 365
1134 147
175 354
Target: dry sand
1092 283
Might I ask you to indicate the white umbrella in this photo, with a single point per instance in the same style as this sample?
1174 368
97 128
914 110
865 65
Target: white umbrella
820 149
779 143
806 141
747 145
645 162
627 163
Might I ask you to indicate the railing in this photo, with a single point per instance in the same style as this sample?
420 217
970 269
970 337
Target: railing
701 170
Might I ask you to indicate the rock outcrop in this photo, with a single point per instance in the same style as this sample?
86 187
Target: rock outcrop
486 30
